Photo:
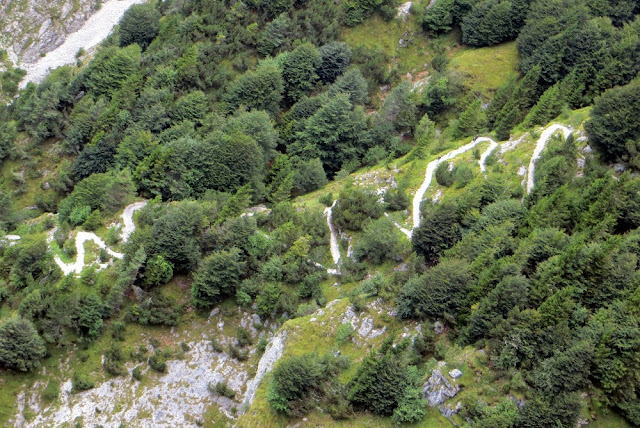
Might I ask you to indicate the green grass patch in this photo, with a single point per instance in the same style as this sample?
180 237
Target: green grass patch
377 33
486 68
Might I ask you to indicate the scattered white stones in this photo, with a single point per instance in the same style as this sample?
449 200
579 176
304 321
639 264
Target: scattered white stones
172 400
9 240
437 389
438 327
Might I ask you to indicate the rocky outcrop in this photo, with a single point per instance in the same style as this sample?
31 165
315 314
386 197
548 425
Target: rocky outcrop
271 355
91 33
437 389
179 397
35 27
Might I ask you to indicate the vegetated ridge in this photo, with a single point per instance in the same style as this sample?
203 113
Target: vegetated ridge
256 214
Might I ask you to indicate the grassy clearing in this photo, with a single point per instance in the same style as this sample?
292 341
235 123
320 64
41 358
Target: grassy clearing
306 336
609 420
377 33
487 68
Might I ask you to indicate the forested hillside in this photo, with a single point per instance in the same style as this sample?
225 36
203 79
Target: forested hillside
355 213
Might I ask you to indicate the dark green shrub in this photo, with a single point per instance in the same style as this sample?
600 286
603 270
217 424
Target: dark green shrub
354 206
21 348
239 354
344 332
223 389
118 330
244 337
444 176
327 199
380 241
140 24
157 364
216 345
136 373
82 382
114 361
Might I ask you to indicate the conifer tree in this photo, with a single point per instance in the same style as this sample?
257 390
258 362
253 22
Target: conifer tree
548 106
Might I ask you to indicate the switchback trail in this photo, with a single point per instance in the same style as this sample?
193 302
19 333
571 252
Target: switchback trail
82 237
431 167
540 145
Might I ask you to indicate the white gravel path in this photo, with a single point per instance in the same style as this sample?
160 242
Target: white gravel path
540 145
431 168
78 265
93 31
335 247
82 237
483 157
127 219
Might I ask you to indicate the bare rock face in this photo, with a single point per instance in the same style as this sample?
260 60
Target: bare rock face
31 28
455 373
438 388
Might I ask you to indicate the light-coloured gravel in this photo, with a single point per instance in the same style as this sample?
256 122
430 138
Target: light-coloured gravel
92 32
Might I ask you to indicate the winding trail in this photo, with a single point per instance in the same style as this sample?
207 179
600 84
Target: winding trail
431 168
78 265
127 219
483 157
92 32
333 243
540 145
82 237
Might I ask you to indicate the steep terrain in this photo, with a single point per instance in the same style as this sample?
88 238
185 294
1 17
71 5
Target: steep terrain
32 28
272 214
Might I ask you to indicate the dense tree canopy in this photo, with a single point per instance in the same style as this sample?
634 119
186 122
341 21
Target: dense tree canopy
20 346
140 24
224 115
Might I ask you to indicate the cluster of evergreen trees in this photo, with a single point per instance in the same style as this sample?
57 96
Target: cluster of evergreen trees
549 287
213 107
571 51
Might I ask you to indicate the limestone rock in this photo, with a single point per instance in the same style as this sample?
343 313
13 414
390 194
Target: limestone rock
404 9
438 327
437 389
455 373
449 410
